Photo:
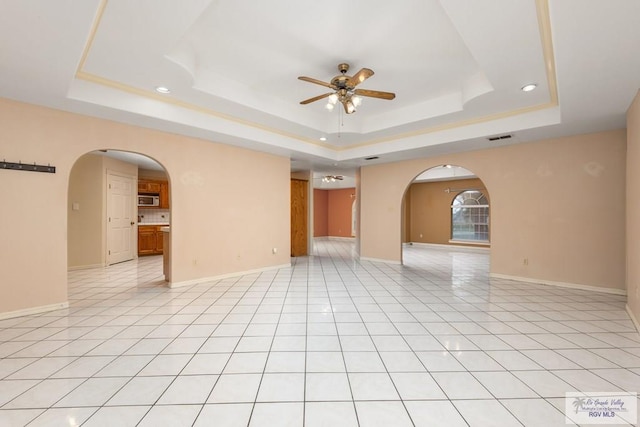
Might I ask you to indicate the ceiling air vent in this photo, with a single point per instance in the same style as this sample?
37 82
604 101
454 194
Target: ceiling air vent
499 137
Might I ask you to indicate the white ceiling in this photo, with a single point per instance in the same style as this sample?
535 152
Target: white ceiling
456 66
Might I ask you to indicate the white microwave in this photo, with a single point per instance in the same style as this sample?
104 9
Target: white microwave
147 200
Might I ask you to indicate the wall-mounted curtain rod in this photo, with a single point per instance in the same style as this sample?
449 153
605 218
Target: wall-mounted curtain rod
27 167
460 190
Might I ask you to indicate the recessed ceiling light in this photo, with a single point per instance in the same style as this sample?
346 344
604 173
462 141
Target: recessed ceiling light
162 89
529 87
322 138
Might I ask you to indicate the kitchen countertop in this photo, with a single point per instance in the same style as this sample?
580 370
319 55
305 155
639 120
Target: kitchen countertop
153 223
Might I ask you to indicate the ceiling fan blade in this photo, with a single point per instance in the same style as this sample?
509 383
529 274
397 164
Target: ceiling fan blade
316 81
360 76
375 94
315 98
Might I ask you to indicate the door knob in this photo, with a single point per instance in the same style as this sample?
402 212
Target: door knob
132 222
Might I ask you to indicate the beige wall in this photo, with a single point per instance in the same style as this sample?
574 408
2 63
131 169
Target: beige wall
85 244
633 209
429 209
230 206
151 174
559 203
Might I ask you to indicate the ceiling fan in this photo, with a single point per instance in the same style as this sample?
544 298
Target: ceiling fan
332 178
344 89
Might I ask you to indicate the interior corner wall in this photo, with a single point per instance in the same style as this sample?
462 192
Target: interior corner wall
320 213
429 211
633 210
340 208
560 203
152 174
224 220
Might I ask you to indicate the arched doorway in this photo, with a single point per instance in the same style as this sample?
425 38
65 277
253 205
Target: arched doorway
446 208
105 218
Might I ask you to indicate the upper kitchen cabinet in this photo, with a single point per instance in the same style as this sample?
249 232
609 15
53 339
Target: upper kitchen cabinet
149 187
164 195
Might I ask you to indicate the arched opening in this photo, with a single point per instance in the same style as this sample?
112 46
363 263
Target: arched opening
445 208
118 208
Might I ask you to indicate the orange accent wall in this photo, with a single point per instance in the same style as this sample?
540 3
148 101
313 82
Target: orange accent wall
339 207
332 212
320 213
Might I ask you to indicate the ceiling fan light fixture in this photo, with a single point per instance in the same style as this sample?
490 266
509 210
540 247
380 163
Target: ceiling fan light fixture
332 178
344 89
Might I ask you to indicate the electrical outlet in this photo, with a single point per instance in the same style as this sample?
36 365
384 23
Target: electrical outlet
525 261
274 250
421 235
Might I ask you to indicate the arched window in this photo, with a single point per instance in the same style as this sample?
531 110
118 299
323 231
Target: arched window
470 217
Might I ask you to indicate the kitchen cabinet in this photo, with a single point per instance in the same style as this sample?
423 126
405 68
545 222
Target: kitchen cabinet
164 195
150 240
146 186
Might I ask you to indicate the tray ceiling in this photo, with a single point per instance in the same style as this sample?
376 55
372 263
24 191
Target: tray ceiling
456 66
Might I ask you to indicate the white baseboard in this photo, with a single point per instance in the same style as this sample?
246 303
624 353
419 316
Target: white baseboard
84 267
561 284
457 248
34 310
224 276
633 318
386 261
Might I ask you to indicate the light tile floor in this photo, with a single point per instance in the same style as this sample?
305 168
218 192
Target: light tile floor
330 341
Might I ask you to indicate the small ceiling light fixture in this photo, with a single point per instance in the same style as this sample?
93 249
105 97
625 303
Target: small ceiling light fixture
163 89
529 87
323 138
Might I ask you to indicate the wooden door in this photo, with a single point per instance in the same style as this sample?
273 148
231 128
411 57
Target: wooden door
120 214
299 217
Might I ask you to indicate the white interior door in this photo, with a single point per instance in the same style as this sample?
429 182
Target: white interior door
120 214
